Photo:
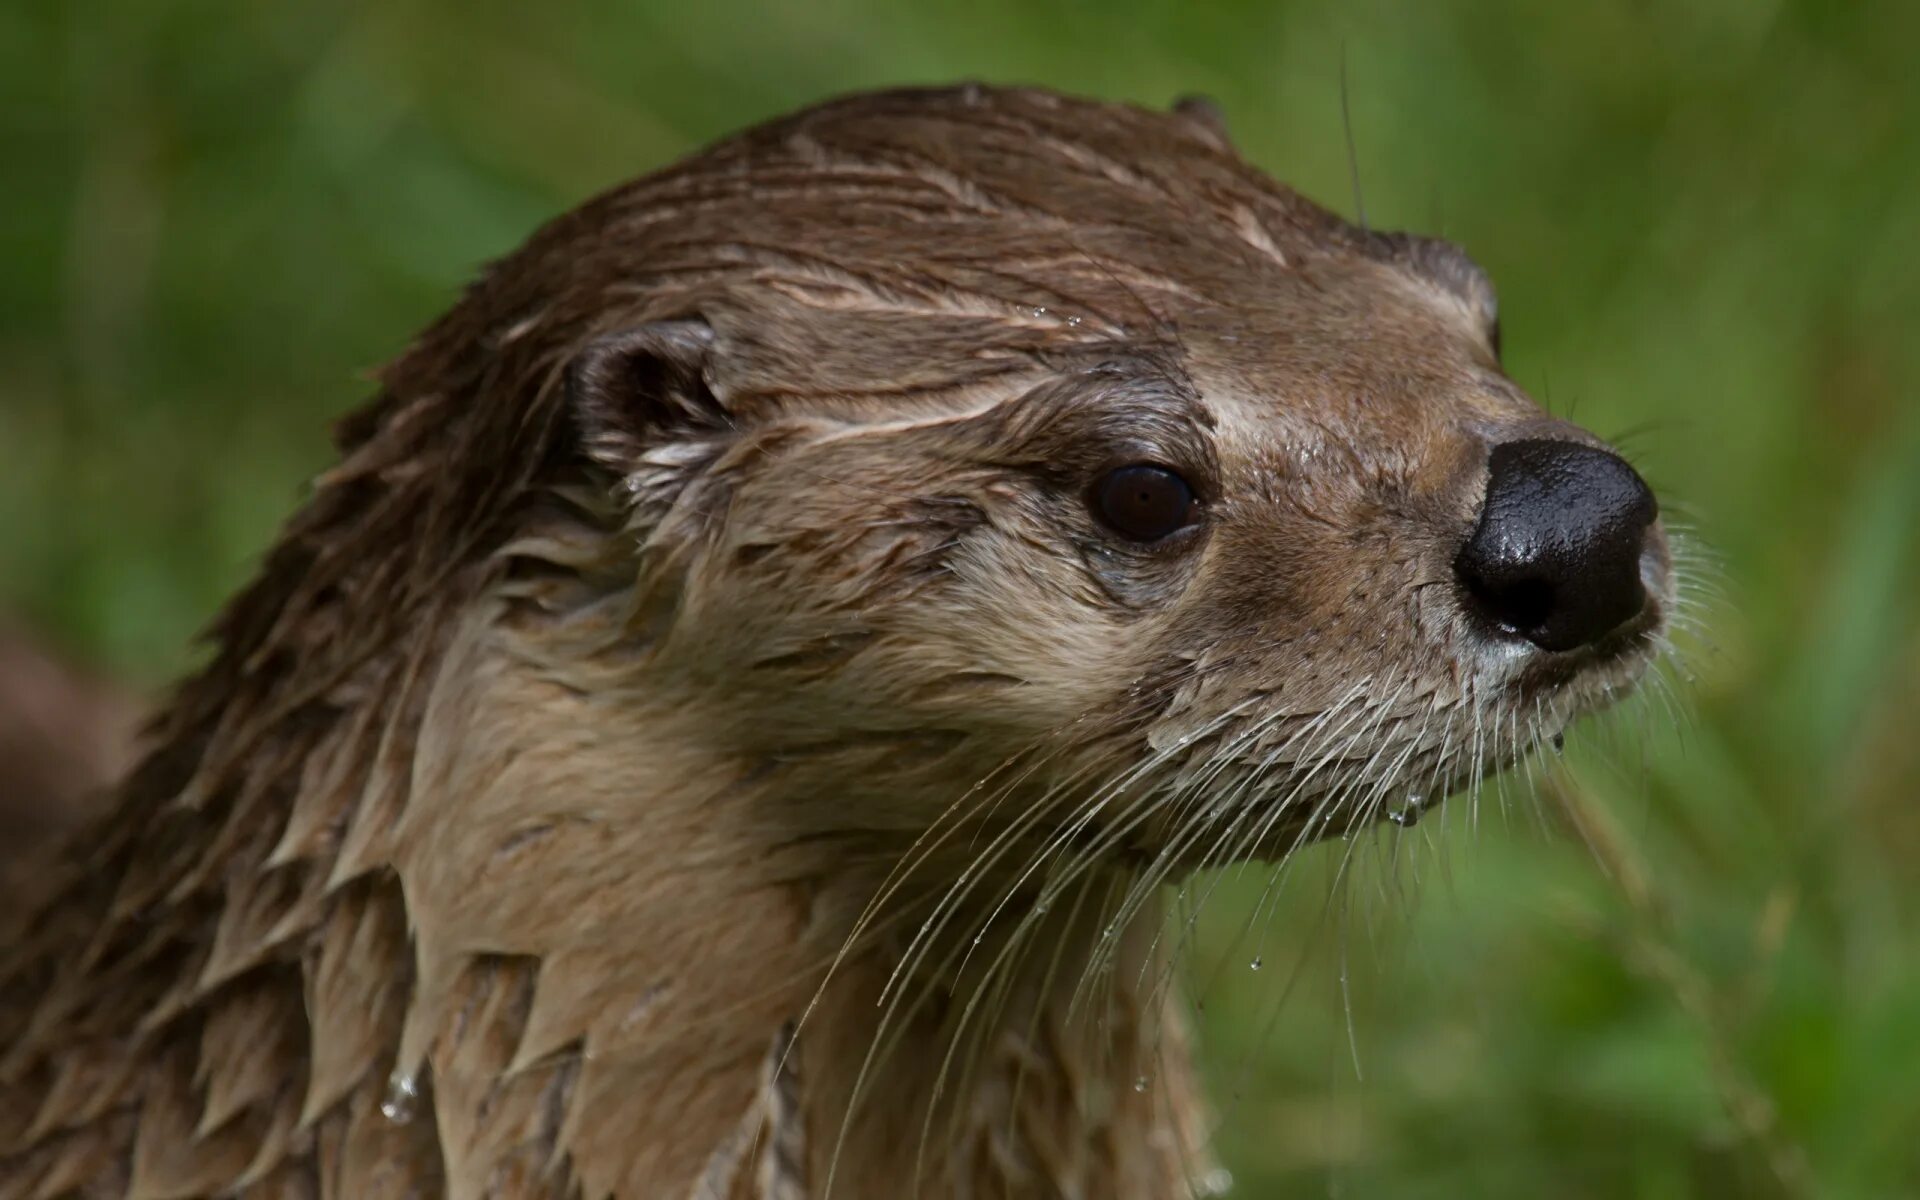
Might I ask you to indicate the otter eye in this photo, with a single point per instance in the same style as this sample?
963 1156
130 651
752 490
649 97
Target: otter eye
1144 502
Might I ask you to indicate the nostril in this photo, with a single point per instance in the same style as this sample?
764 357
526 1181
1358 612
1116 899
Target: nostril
1518 605
1555 557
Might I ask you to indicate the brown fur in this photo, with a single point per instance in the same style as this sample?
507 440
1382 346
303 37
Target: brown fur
708 601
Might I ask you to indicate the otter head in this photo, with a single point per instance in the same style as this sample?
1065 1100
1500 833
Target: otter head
972 492
1012 456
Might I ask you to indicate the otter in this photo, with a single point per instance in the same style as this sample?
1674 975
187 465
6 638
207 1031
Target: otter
722 727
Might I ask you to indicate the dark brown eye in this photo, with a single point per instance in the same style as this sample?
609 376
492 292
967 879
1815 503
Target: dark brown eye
1143 502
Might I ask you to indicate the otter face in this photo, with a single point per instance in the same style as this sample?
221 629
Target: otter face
1197 520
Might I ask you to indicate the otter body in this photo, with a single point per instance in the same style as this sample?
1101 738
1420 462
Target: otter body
720 729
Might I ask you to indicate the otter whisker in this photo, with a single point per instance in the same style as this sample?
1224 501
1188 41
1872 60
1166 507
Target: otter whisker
923 847
1232 802
1324 753
907 965
1318 756
1038 809
1321 816
1193 791
988 858
1071 829
1116 832
910 961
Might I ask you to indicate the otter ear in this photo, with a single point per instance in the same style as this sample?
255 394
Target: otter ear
633 389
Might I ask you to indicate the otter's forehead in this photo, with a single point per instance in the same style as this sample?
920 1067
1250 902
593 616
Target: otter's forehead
1019 218
902 247
1030 165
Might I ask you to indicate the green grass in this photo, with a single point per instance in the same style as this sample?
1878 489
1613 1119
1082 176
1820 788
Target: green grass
1704 219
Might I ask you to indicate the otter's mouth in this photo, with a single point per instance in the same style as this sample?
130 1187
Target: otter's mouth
1610 667
1395 754
1598 671
1271 773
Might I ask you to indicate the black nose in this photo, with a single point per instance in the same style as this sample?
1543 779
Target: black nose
1556 556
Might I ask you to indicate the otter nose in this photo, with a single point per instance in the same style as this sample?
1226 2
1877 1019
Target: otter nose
1556 555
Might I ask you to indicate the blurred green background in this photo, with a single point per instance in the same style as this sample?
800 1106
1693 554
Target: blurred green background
1687 965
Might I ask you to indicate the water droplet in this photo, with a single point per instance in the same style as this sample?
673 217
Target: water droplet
1255 964
1139 1083
1408 817
1073 320
403 1095
977 937
1042 905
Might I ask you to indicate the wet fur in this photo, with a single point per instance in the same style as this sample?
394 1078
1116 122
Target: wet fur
700 699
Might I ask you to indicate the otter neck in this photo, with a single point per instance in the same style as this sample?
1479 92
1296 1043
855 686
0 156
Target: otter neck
616 923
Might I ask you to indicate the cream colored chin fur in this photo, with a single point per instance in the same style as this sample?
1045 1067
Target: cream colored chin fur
672 926
664 926
575 949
